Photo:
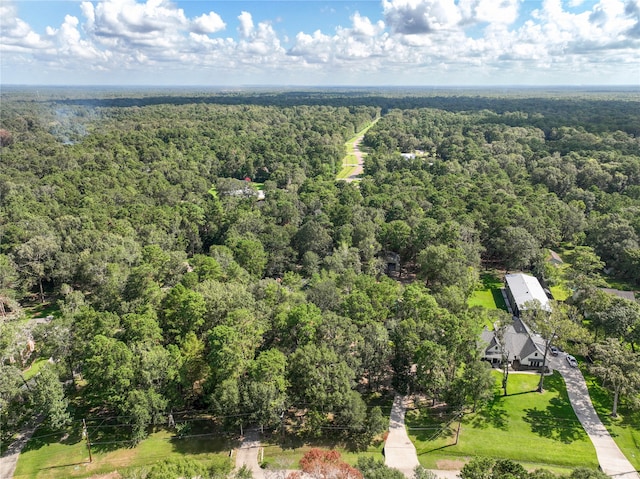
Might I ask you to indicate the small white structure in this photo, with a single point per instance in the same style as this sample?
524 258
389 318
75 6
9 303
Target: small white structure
523 290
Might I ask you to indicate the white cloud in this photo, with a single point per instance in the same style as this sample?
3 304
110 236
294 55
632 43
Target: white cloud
246 27
15 34
490 11
421 16
419 41
208 23
363 26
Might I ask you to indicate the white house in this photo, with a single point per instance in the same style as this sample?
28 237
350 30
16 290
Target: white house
523 348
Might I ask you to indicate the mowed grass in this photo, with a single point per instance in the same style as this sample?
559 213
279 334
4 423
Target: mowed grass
59 457
537 429
489 295
624 429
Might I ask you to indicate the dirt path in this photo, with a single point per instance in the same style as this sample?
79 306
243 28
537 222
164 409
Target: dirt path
356 169
359 168
610 458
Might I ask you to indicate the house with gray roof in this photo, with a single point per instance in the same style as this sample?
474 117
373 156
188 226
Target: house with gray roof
522 348
524 290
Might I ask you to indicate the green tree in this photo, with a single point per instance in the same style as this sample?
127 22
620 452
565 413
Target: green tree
374 469
562 324
619 369
49 398
36 258
319 378
182 312
478 382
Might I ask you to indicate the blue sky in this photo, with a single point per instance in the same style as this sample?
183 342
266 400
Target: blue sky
308 42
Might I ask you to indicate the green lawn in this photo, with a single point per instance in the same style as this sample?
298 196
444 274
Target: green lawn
489 295
53 457
42 310
560 291
624 429
35 368
539 430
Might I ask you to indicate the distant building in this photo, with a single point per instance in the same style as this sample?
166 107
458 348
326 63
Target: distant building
523 348
554 258
621 294
523 290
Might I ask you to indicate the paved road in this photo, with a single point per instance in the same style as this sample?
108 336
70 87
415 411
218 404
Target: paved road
247 453
610 458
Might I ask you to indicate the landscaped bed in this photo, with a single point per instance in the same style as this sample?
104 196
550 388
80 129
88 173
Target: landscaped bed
539 430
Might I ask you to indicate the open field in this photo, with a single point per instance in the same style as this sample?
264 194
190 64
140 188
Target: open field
539 430
49 456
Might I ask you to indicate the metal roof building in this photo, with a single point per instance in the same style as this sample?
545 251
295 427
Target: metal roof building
523 290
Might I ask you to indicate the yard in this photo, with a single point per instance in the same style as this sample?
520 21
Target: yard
489 294
50 456
538 430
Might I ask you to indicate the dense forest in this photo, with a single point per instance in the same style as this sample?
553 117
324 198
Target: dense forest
199 255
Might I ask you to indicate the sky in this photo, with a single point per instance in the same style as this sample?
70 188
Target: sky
320 43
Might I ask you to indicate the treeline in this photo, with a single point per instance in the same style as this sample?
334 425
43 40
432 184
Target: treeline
179 289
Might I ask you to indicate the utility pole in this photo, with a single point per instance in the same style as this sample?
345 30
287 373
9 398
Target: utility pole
85 435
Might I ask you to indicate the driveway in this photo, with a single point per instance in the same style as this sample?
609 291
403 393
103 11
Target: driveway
399 451
247 453
610 458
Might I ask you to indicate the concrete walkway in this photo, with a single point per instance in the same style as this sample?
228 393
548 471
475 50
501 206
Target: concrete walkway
610 458
247 453
399 451
9 459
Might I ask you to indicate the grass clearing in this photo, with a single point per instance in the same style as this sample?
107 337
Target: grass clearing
59 456
350 161
42 310
489 295
34 369
538 430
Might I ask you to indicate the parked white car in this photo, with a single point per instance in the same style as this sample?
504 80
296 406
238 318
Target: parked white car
572 361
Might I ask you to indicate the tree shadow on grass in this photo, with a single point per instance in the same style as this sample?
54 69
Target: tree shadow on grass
493 414
557 421
554 422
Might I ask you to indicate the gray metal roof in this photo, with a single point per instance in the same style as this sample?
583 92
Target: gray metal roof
526 289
